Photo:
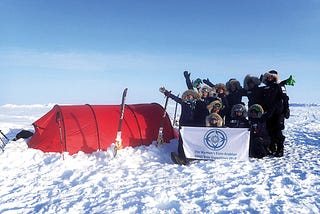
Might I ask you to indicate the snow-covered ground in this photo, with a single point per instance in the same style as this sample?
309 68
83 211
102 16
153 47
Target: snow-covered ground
144 179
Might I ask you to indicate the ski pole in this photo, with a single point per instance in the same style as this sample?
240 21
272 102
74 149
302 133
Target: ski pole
175 113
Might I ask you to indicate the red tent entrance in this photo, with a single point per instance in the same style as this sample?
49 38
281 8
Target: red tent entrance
89 128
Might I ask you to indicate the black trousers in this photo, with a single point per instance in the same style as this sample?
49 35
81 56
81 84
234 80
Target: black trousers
275 125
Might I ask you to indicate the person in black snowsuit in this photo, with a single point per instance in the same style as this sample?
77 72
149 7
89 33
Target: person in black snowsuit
238 117
259 135
251 86
206 97
188 102
234 96
275 103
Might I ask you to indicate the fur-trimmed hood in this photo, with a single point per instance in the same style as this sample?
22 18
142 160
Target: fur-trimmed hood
270 73
210 90
257 108
214 116
238 107
223 86
234 82
249 79
216 103
185 94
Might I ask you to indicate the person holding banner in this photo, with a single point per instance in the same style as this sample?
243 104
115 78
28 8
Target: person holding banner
251 85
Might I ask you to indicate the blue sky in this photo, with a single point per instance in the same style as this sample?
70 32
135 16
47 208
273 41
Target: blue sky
80 51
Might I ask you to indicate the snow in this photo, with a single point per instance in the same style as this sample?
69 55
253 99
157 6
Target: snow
144 179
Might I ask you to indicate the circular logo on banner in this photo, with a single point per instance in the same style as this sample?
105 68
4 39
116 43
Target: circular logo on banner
215 139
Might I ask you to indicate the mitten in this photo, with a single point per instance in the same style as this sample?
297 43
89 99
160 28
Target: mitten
286 113
207 81
186 74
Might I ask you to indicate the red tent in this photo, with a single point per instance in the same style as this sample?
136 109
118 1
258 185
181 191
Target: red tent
89 128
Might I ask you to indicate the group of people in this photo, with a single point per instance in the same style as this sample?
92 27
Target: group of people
220 105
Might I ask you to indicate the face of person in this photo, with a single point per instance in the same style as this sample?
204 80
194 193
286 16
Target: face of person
215 109
214 122
220 90
238 113
270 78
251 85
233 87
254 113
204 93
190 97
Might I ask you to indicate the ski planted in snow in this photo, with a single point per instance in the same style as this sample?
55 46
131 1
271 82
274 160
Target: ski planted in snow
160 139
118 140
3 143
175 122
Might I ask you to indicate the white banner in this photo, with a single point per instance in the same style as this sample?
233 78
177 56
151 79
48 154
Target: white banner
216 143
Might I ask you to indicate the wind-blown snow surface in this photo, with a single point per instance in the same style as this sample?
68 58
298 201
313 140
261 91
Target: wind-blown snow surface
144 179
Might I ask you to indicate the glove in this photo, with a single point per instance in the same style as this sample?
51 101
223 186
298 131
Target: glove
186 74
290 81
167 93
207 81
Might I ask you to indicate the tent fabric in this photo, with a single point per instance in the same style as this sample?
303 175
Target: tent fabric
89 128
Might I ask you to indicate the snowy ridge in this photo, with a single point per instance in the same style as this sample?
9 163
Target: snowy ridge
144 180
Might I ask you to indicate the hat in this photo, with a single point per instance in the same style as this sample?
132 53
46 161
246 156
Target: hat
206 88
238 108
273 72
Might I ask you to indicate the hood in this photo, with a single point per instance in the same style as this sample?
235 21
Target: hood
192 92
266 75
223 86
216 116
233 82
256 107
250 78
213 104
